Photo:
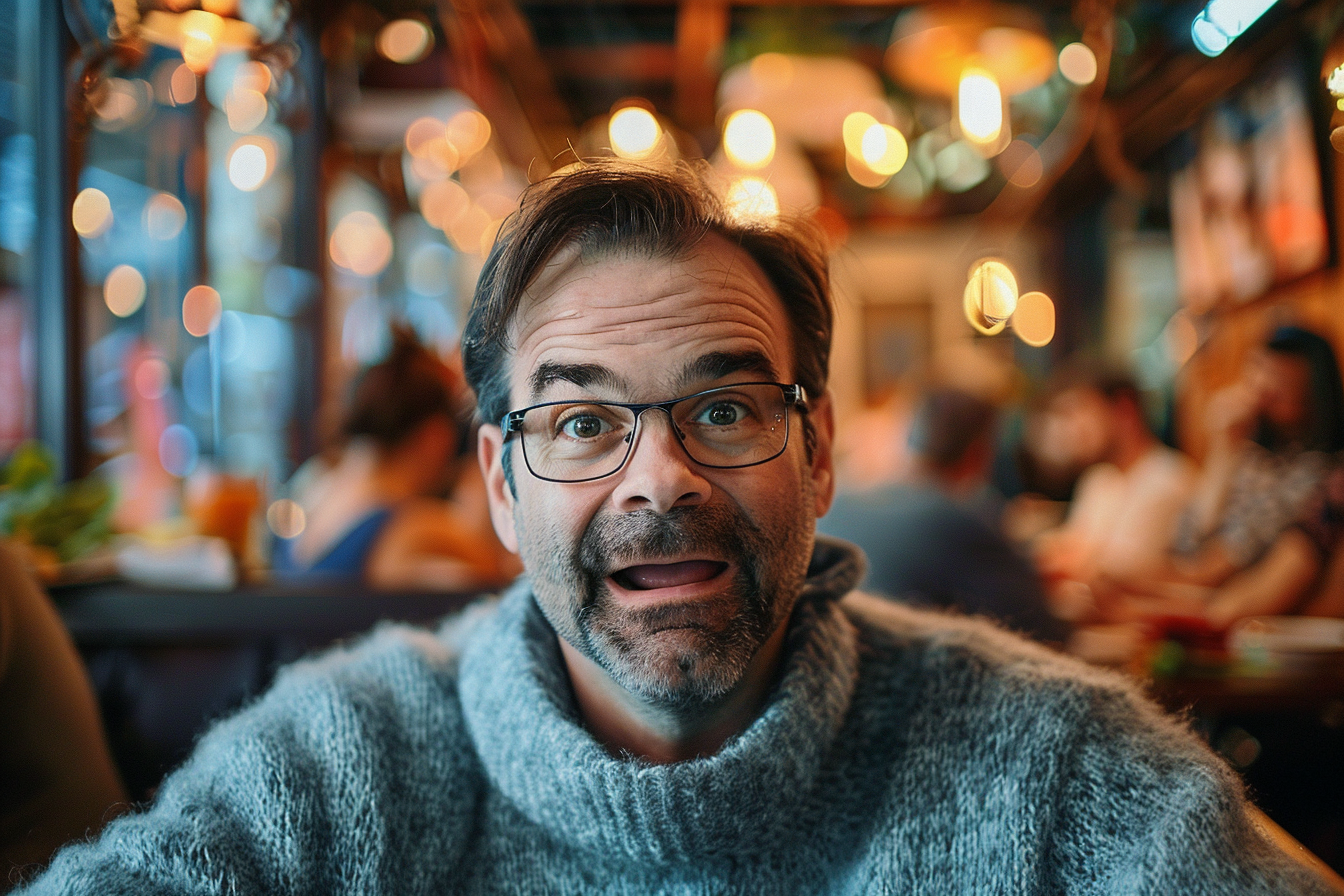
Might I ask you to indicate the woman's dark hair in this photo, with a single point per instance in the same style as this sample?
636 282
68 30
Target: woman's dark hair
388 400
1325 401
608 207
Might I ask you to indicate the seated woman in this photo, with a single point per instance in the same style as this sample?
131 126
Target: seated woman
1248 544
374 513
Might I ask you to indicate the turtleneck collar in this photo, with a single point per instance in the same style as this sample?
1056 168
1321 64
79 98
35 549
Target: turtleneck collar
518 706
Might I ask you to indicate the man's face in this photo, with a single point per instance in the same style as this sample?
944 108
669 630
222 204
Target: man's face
667 574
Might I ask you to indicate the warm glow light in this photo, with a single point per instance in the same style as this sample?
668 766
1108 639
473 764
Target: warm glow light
250 163
1021 164
772 70
434 156
884 149
856 125
468 232
245 108
990 296
252 75
405 40
165 216
443 202
752 199
183 85
469 131
123 103
863 175
201 308
124 290
286 518
361 244
979 106
1335 83
633 132
422 132
1078 63
1034 319
91 213
749 139
200 39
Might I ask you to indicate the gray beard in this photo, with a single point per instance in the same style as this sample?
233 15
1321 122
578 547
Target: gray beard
705 663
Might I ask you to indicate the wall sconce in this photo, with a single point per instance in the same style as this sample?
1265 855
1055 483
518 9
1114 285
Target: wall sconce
977 55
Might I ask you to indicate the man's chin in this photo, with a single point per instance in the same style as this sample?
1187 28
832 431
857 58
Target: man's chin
677 669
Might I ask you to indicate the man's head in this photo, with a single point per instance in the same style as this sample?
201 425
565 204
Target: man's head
632 285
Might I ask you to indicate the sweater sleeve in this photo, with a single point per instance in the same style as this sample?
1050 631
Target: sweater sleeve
350 769
1146 808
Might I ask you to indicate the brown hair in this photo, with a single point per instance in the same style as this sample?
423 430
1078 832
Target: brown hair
608 207
388 400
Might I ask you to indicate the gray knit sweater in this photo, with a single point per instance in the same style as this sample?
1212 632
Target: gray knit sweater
901 752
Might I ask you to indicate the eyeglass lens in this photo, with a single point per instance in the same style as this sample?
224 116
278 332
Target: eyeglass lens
735 426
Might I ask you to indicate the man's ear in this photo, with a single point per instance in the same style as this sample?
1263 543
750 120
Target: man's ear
821 413
490 452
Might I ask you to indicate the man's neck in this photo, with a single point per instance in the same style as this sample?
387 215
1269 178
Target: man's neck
625 723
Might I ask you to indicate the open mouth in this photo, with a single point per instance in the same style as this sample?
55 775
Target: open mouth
648 576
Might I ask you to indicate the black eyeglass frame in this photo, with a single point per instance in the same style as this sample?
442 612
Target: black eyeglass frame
794 396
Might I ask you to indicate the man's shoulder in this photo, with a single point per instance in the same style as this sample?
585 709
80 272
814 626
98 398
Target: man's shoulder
974 657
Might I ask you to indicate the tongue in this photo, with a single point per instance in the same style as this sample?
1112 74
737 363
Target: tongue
669 575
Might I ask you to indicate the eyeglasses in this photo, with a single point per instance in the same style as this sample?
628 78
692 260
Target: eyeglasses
732 426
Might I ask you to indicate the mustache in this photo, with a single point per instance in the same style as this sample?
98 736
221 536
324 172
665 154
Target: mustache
644 535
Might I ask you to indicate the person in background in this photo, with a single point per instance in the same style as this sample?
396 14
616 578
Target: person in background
932 537
376 513
683 694
57 778
1125 506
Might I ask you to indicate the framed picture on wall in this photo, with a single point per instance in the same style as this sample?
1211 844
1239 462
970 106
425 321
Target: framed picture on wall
897 346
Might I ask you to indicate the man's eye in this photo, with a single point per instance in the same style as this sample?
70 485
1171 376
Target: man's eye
584 426
722 413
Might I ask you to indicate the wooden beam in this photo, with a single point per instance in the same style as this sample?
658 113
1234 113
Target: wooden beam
702 31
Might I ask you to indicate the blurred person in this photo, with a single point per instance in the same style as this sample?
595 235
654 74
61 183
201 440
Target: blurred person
683 694
931 537
1126 504
1273 437
57 779
374 512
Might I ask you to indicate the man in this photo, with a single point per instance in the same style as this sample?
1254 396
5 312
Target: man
678 697
1127 502
932 537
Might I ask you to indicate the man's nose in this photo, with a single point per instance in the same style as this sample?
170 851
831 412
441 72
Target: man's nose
659 474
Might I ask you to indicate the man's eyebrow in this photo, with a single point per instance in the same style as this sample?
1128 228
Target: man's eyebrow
581 375
717 365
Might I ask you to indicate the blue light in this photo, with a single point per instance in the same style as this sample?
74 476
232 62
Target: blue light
1223 21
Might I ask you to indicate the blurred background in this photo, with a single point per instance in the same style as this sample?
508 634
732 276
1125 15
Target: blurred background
223 223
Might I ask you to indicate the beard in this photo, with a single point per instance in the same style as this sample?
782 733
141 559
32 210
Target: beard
683 656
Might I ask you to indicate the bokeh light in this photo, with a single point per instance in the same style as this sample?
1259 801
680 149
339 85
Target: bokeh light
990 296
201 307
361 244
633 132
1034 319
404 40
91 213
178 450
183 85
1078 63
200 39
124 290
245 109
286 518
979 106
884 149
749 139
250 162
1021 165
469 131
856 124
165 216
752 199
443 202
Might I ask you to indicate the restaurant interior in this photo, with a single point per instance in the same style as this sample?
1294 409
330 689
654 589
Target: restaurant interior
217 215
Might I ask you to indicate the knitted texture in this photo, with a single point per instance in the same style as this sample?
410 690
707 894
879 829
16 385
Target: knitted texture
900 752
